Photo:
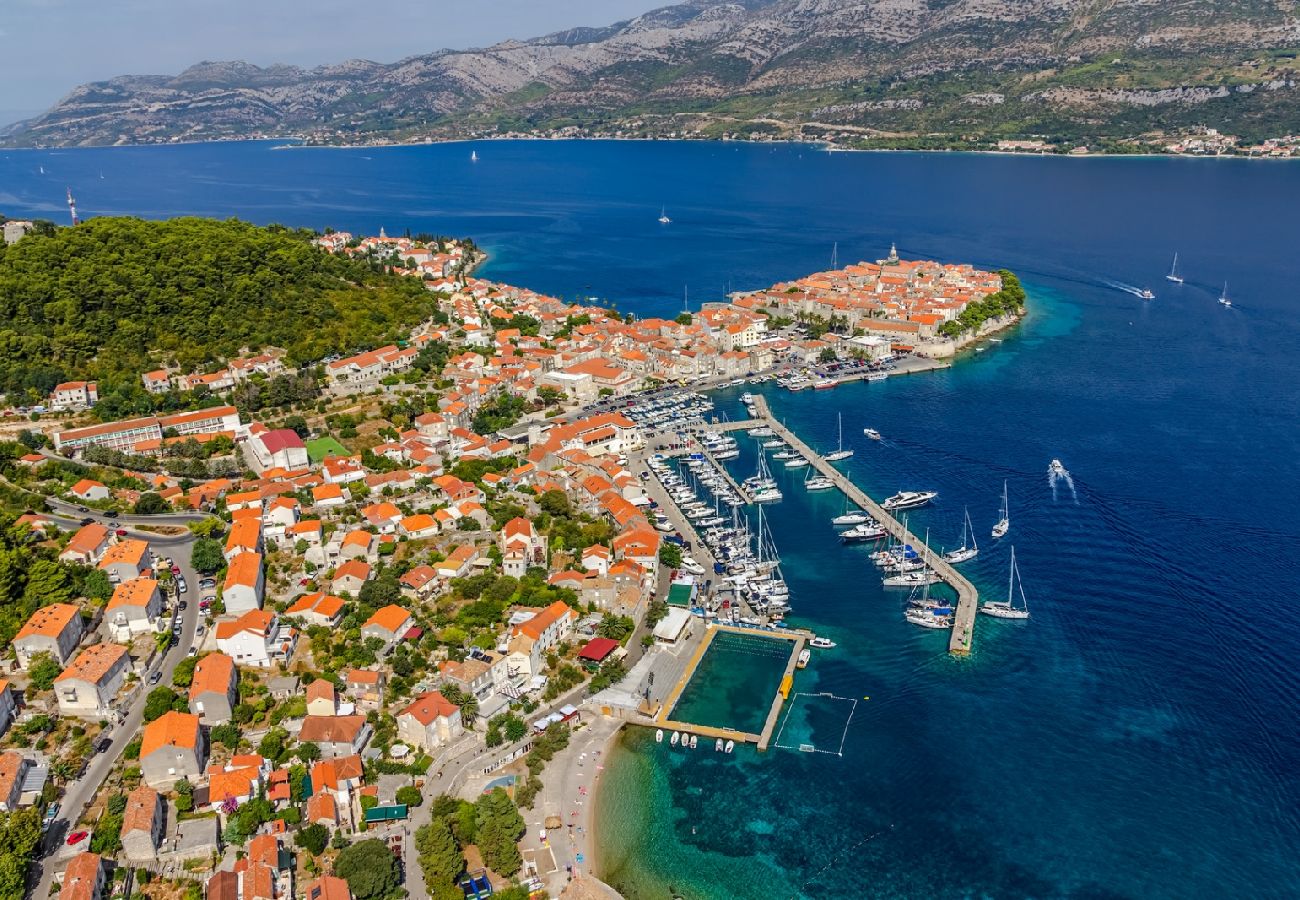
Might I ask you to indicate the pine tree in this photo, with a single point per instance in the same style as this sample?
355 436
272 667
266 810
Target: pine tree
499 829
440 859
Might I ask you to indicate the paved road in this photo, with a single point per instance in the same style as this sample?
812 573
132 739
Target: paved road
72 509
78 794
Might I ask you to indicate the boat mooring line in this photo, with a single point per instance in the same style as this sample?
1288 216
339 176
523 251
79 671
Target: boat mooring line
823 870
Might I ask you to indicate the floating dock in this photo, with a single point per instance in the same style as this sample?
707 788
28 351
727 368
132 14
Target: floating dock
963 628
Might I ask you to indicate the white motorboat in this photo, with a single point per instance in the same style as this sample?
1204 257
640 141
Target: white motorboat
804 656
851 517
695 741
1145 294
761 431
872 433
1007 609
659 735
820 483
730 745
909 499
797 463
1004 523
774 444
787 453
967 551
717 745
691 567
919 578
866 531
676 737
877 376
821 643
1057 469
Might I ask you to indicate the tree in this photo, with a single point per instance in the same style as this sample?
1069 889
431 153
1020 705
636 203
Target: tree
670 555
827 355
96 585
499 829
314 839
207 555
409 795
20 832
42 671
369 868
183 674
226 734
47 582
206 528
440 858
684 318
554 502
161 700
184 795
150 504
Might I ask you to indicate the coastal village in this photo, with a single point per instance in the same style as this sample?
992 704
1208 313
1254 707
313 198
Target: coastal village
425 591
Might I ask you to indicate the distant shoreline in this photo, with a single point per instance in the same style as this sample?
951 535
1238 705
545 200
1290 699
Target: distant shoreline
822 146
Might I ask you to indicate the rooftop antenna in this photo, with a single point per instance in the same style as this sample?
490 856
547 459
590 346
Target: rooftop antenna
72 206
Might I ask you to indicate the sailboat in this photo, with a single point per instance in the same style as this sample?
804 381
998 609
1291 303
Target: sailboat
1004 523
840 453
1173 272
1008 610
965 551
1223 298
473 156
663 215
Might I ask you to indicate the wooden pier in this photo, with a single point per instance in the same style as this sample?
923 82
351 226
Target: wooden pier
963 628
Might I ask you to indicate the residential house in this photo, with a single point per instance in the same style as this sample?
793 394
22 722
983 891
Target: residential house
327 887
244 585
74 395
349 577
534 637
8 706
281 448
55 629
389 624
134 608
420 582
321 700
87 545
214 689
257 638
87 687
336 735
430 722
245 537
172 747
457 563
318 608
365 687
13 770
87 490
84 878
126 560
142 824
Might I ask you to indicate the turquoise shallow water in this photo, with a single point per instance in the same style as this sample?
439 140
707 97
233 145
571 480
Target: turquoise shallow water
1137 738
735 682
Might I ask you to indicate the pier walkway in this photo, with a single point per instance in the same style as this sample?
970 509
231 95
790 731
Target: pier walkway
963 629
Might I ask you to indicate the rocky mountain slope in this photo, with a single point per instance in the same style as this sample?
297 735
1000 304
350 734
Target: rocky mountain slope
910 72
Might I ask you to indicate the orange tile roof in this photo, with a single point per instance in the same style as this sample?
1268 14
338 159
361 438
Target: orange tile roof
49 621
136 592
141 808
80 876
244 570
321 806
321 603
257 621
172 729
356 568
214 674
94 663
129 551
534 627
391 618
88 539
430 706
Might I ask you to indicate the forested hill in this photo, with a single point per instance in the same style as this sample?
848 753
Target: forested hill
114 297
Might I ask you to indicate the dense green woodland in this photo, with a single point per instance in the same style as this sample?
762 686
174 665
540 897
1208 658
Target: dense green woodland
93 301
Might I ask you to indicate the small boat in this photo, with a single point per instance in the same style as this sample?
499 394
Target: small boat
659 735
919 578
824 384
877 376
871 433
909 499
804 655
1223 298
851 517
663 216
821 643
1007 609
1145 294
786 454
867 531
1004 523
818 483
840 452
1057 469
797 463
966 551
930 617
1173 272
676 737
731 745
717 746
695 741
473 156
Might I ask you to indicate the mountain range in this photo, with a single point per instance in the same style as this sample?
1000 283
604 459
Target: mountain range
919 73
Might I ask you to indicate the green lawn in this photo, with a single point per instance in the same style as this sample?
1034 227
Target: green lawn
321 447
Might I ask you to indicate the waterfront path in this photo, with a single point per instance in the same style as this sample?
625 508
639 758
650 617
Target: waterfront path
963 629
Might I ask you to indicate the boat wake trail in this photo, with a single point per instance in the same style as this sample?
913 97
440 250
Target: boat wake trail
1126 288
1055 478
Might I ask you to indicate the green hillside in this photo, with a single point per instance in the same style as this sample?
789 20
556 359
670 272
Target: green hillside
115 297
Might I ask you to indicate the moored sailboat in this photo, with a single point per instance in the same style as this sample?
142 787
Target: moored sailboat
1004 523
1007 609
840 452
965 551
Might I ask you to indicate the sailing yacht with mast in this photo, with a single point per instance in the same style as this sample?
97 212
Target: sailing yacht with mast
1008 609
1173 272
1223 298
1004 523
663 216
966 551
840 453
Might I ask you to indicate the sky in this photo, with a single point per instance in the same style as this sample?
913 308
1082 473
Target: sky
51 46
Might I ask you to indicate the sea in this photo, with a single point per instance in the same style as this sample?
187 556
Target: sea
1139 735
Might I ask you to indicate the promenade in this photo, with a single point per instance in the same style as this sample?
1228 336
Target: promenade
963 630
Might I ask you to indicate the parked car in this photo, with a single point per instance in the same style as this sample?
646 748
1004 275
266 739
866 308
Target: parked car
176 570
103 744
112 514
155 677
121 532
87 521
181 586
204 604
200 630
113 524
194 651
77 837
207 582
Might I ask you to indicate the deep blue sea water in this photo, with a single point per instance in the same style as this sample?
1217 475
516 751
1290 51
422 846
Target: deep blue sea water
1139 736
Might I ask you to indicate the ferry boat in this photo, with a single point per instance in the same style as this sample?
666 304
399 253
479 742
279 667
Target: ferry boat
821 643
851 517
909 499
872 433
1173 272
1007 609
